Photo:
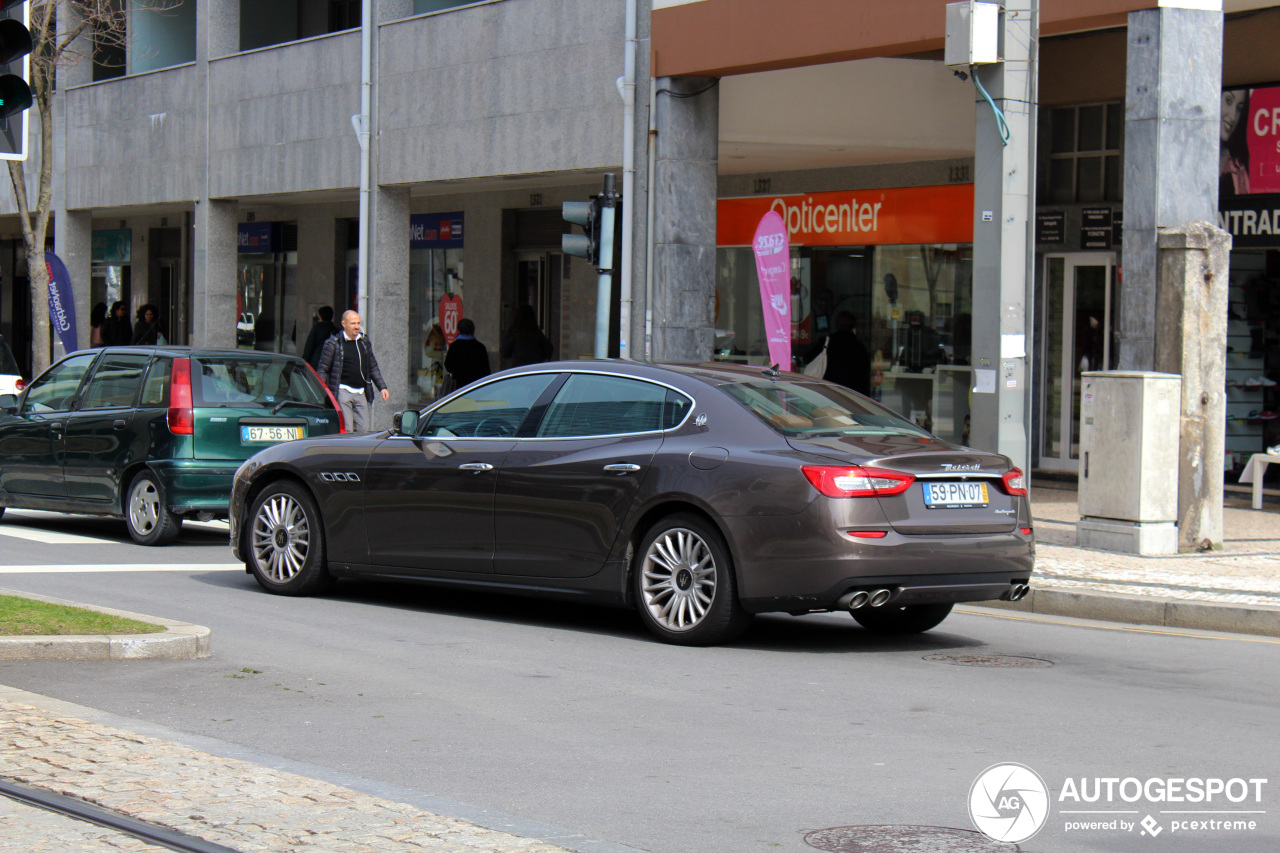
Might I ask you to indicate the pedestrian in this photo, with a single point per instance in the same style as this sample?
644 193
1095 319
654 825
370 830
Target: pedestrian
321 331
348 367
524 343
96 319
148 331
117 331
467 359
848 363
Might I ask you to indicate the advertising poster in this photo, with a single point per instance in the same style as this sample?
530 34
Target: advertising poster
1249 166
773 266
62 307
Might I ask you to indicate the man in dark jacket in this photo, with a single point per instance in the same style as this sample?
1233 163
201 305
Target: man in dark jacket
467 359
348 367
847 359
320 332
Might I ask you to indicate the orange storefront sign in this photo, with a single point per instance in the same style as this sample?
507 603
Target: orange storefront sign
885 217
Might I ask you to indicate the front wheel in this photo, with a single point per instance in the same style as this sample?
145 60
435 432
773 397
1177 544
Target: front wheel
909 619
685 586
286 541
146 515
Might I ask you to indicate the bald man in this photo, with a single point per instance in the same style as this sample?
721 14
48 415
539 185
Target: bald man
348 367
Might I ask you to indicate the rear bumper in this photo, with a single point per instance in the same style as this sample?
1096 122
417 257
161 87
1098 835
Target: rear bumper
196 485
904 590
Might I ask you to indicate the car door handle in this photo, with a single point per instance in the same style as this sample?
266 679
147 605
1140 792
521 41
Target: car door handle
622 468
475 466
119 423
55 427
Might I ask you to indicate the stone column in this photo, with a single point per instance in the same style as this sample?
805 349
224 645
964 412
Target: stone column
1004 200
73 243
213 286
388 320
218 28
684 226
1173 108
1191 339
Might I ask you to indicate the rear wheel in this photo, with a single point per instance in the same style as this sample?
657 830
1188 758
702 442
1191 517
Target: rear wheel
911 619
685 587
286 541
146 514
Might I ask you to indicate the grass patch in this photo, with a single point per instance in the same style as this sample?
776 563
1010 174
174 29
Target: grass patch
27 617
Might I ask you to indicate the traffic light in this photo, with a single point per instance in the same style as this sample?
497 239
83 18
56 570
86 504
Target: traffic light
15 90
586 214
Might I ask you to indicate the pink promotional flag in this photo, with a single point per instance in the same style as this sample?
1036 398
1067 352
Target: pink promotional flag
773 264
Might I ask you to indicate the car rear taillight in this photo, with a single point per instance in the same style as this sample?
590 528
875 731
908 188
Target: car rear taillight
20 386
1015 482
342 422
856 481
182 419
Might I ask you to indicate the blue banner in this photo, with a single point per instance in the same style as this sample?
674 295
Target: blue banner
435 230
258 238
62 306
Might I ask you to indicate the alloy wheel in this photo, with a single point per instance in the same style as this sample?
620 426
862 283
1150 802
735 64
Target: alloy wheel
679 583
144 506
281 538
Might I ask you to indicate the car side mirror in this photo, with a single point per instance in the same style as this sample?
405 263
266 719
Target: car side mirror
8 404
405 423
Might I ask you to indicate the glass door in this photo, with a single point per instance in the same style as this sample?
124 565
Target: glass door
1079 307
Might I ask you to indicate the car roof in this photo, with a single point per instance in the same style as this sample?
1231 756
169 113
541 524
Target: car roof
170 349
710 372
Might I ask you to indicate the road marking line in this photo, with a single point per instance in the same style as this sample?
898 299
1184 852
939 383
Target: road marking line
1119 628
52 537
123 567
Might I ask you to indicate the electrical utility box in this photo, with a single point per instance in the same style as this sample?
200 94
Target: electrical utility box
973 34
1130 427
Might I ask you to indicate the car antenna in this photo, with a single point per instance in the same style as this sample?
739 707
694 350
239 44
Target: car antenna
771 371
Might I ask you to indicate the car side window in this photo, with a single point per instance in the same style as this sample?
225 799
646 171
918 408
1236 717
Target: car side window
55 391
495 410
115 382
590 404
678 406
155 390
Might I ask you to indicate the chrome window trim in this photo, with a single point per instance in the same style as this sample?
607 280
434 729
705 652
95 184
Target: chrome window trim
958 475
693 400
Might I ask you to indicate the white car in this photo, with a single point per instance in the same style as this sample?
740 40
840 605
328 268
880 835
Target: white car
10 379
245 330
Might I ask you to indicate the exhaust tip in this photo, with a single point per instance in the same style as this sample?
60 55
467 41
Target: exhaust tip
859 599
1019 591
879 597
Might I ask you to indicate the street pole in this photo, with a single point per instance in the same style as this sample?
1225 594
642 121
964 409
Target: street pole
361 123
604 281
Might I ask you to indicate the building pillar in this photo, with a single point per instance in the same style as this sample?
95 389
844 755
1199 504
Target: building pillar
1003 252
388 320
1173 109
73 243
213 285
1191 339
218 29
684 226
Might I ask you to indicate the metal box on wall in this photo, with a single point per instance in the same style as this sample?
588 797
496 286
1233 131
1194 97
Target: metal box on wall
1129 438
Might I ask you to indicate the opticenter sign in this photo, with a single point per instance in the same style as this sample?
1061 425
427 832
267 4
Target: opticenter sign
902 215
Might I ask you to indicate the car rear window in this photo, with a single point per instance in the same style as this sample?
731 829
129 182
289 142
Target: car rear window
807 409
253 382
8 364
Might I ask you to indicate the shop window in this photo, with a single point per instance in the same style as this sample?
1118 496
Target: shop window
267 22
433 274
1086 162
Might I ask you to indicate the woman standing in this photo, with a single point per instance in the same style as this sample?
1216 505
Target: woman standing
148 331
96 319
524 343
117 331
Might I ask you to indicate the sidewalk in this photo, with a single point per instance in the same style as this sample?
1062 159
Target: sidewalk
237 801
1235 590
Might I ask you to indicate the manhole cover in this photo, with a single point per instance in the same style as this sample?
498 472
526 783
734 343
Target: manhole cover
912 839
990 660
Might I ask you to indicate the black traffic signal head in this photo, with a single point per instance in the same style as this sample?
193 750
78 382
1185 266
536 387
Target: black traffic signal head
587 215
15 44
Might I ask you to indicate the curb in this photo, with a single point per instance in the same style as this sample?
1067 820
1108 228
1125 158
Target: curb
1143 610
179 641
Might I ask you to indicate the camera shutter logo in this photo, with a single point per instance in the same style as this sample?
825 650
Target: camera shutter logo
1009 802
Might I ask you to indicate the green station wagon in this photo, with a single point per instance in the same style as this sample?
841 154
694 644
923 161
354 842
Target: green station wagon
152 434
